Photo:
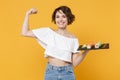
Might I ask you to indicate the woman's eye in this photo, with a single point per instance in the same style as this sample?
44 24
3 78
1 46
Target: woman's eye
64 16
57 16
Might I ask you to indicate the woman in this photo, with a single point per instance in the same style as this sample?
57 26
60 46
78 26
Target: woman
60 45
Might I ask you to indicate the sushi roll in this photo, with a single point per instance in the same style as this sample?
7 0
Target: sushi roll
88 46
92 44
98 45
84 46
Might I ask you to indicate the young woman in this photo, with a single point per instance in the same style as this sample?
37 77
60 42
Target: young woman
60 45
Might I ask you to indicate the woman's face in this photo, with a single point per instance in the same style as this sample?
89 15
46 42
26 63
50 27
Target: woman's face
61 19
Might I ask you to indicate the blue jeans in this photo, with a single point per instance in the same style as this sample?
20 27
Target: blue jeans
59 73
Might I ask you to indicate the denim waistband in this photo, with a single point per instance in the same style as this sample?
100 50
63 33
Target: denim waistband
67 67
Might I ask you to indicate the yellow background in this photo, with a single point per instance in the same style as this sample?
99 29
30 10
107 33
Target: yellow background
22 58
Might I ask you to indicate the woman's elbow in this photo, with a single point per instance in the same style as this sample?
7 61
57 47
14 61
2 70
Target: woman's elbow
75 64
23 34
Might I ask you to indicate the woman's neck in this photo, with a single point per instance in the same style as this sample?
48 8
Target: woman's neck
62 31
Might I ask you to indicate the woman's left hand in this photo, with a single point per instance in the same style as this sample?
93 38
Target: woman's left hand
86 51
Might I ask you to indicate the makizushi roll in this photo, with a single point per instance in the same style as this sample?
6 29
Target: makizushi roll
84 46
88 46
98 45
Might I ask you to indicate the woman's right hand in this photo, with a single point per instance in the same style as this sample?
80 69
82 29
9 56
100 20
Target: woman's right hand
31 11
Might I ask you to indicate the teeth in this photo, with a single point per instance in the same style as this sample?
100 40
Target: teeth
60 23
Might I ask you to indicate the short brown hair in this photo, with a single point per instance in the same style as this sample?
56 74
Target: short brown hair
67 11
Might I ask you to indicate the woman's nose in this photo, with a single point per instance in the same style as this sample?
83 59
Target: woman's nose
61 19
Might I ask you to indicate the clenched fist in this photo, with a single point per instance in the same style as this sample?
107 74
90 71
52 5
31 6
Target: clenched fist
31 11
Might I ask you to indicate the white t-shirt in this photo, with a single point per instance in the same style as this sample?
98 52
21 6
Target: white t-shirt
56 45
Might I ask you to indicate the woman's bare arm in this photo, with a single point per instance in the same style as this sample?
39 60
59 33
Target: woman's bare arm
78 57
25 28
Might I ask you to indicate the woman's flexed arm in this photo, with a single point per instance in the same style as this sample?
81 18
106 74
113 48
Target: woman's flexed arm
25 28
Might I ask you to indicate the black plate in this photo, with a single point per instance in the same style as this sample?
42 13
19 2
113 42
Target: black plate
103 46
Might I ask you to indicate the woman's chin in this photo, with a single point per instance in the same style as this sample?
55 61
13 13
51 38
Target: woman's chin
61 26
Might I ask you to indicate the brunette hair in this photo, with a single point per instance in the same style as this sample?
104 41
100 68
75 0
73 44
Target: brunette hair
67 11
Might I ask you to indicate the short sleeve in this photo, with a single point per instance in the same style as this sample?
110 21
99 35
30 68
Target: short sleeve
42 35
76 46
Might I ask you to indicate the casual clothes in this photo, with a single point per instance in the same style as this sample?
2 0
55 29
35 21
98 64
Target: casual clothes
56 45
59 73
